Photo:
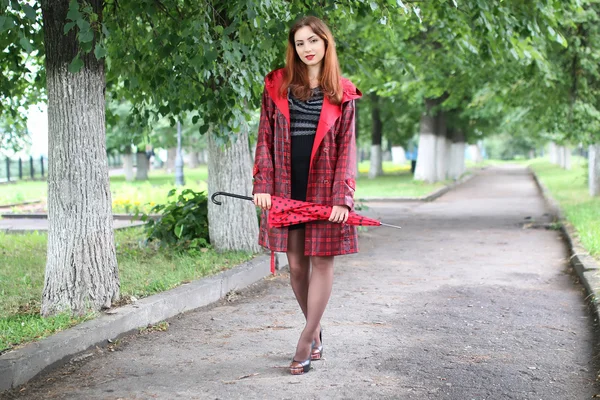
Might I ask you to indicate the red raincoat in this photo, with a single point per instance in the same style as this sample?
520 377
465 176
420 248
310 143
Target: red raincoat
331 180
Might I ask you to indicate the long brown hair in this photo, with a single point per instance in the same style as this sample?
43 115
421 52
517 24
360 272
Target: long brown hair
296 72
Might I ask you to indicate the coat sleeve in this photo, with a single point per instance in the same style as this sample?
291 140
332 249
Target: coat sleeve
263 172
344 182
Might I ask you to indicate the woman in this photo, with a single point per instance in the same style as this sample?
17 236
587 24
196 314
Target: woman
306 151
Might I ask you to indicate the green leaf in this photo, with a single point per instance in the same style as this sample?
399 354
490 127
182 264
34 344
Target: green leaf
86 47
195 119
86 36
561 39
68 27
83 25
164 110
26 44
99 51
29 12
73 13
178 231
211 55
401 4
76 65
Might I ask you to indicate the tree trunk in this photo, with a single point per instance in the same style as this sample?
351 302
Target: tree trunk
475 153
81 266
234 224
128 166
356 133
457 154
376 167
398 155
171 156
426 160
553 153
594 169
142 166
566 157
560 156
194 158
442 149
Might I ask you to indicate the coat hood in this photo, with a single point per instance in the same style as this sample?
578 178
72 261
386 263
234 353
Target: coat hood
274 80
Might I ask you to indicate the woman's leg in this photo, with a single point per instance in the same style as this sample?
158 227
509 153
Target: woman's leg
319 291
299 267
300 272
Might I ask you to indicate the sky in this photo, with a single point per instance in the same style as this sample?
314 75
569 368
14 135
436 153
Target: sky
37 125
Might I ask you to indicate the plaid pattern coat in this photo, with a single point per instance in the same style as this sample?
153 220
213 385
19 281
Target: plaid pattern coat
332 174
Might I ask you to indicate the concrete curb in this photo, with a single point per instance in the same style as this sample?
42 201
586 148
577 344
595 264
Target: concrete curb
430 197
19 366
585 265
24 203
45 216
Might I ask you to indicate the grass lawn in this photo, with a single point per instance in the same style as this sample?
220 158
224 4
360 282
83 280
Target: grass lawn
143 271
397 182
22 191
570 189
126 196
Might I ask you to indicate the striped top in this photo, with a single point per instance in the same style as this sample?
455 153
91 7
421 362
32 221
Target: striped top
304 115
304 119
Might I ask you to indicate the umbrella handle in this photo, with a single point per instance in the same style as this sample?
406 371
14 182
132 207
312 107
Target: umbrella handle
237 196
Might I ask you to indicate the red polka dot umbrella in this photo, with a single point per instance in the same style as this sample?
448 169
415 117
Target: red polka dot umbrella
286 212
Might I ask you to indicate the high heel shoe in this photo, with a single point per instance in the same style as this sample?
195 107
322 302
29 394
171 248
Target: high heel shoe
317 352
305 365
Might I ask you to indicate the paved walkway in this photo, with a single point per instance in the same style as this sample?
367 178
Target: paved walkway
468 301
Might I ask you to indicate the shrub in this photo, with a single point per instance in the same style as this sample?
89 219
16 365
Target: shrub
183 221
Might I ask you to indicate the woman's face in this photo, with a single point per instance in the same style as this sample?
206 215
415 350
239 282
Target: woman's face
309 46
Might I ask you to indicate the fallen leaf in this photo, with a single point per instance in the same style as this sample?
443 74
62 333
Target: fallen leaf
248 376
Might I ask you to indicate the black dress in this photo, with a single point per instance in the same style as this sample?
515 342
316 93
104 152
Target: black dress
304 118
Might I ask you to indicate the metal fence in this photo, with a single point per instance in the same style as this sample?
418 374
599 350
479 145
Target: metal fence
114 160
31 168
23 168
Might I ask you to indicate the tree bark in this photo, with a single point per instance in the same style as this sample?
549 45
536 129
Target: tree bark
442 145
457 154
560 156
398 155
128 166
143 164
357 105
475 152
594 169
234 224
566 157
81 267
376 167
553 153
171 156
194 158
426 161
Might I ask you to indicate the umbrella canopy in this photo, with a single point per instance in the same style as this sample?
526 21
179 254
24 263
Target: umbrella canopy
286 212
